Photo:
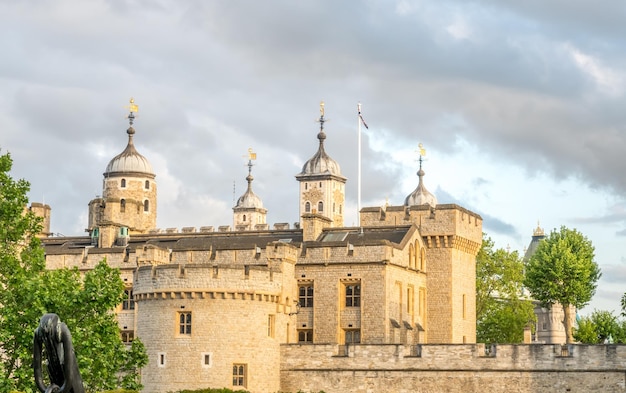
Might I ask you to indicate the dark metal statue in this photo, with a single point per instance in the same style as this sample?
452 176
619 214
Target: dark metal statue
55 337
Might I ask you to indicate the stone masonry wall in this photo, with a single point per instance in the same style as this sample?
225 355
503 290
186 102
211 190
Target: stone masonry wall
453 368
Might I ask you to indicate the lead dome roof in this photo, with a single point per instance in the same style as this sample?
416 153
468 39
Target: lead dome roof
129 161
321 163
249 199
420 196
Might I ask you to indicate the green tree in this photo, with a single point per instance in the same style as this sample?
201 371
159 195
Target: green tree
28 291
501 311
624 305
21 262
562 270
602 326
86 306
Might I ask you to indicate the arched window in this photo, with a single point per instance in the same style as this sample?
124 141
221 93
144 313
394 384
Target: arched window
244 217
307 207
320 184
306 186
339 209
146 205
411 255
122 205
320 206
123 183
147 185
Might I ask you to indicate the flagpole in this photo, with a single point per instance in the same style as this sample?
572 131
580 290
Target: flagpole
358 201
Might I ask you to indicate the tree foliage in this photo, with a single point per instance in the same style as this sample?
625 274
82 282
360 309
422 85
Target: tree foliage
85 304
21 262
501 311
562 270
599 328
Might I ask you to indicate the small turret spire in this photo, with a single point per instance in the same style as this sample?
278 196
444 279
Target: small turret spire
251 156
132 109
322 135
421 196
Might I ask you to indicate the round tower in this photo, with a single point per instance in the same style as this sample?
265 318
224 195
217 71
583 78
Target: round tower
128 203
322 186
249 213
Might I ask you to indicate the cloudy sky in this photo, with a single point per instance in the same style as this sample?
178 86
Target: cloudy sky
520 105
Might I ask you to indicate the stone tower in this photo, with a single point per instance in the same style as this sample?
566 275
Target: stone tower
128 203
42 210
322 186
249 213
451 237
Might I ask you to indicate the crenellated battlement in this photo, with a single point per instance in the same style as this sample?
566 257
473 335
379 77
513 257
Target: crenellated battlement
454 368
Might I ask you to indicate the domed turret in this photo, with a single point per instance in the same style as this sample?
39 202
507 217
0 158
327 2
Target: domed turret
249 213
129 161
322 186
421 196
129 196
249 198
321 163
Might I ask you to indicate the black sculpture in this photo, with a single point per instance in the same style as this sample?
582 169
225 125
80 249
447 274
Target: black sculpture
62 366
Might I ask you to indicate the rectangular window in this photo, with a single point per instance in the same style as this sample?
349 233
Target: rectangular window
353 295
305 297
184 323
239 375
161 357
128 303
353 336
271 325
127 336
206 359
410 300
305 336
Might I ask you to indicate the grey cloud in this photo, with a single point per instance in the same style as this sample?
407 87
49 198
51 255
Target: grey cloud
213 79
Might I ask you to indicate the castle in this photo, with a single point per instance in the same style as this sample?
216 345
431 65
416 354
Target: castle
270 309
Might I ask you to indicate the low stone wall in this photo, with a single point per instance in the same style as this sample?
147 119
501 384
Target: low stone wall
453 368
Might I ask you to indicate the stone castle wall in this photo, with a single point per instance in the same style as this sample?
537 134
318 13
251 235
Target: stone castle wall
453 368
240 314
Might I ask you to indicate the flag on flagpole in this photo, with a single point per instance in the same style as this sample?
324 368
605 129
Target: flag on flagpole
363 121
361 117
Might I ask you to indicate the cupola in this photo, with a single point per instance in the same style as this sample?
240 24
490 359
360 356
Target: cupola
421 196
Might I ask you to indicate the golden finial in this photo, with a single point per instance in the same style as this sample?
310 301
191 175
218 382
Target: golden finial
322 108
251 154
422 151
133 107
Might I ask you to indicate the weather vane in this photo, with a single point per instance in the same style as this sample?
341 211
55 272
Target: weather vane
251 156
422 153
133 108
321 119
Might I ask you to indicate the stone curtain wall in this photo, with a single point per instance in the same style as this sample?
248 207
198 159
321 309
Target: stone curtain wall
453 368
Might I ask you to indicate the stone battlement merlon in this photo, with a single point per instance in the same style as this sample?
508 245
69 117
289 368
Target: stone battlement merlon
223 294
454 357
452 241
163 278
